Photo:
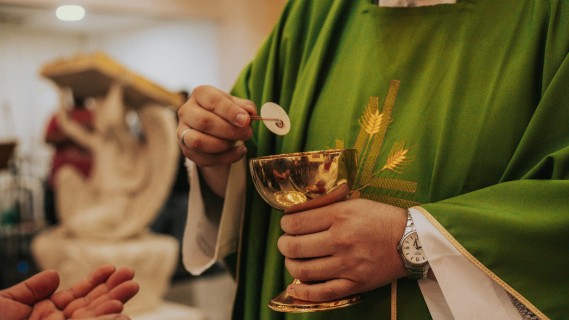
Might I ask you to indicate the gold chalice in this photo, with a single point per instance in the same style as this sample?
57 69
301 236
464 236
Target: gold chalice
288 179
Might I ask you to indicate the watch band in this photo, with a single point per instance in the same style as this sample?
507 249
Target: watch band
414 272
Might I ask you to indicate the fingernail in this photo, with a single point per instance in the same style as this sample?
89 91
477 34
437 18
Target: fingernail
240 120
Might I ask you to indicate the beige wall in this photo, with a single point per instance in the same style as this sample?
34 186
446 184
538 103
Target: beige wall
243 27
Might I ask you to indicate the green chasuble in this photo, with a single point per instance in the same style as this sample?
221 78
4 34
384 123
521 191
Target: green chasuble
462 110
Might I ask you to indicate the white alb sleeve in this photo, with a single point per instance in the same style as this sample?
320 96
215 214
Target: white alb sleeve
210 238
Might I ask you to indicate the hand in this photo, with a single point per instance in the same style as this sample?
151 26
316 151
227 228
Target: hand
211 122
100 296
339 248
209 125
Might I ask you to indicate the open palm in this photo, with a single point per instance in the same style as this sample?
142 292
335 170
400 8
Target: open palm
101 295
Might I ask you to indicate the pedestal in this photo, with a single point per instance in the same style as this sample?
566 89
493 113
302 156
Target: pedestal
153 258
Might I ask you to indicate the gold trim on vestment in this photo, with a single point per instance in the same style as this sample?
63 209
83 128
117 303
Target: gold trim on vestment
481 266
394 184
394 300
398 202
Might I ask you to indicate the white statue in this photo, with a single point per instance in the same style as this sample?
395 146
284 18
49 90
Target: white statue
105 218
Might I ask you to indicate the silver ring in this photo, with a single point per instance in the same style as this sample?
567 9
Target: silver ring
182 137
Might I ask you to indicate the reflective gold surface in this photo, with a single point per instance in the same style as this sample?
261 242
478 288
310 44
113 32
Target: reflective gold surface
288 179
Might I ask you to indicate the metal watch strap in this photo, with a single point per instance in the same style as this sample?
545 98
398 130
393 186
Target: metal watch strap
413 272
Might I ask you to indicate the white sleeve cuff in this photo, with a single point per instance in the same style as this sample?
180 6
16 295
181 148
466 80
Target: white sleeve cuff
207 239
462 291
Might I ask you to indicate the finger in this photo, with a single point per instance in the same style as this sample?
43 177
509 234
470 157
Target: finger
213 124
111 317
118 277
336 195
63 298
123 274
307 222
9 306
229 108
34 289
325 291
318 269
246 104
120 288
213 159
111 302
109 307
197 141
125 291
312 245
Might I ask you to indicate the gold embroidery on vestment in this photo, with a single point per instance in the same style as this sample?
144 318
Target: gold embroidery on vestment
398 158
401 203
394 184
369 143
375 138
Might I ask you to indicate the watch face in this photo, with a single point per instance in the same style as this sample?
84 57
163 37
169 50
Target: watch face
412 250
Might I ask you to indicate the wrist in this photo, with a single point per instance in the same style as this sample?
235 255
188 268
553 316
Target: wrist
215 177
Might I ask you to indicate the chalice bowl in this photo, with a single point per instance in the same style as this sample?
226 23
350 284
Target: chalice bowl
286 180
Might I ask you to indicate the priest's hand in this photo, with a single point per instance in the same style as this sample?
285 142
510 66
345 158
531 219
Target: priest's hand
209 125
100 296
340 247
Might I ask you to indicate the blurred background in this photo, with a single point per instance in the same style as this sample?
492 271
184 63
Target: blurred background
178 44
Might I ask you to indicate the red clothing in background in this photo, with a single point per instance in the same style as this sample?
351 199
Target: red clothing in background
67 152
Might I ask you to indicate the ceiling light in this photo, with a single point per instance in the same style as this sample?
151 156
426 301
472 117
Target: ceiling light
70 13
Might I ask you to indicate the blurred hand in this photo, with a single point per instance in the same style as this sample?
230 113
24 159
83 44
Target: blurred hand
100 296
340 247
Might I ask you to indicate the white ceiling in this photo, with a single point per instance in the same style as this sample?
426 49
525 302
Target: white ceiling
106 15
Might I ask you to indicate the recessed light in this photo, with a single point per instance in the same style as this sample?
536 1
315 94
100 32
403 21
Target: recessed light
70 13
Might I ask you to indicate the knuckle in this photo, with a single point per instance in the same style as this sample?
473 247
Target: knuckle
281 245
181 112
199 90
303 274
193 142
204 124
296 270
213 102
287 247
290 225
344 265
341 241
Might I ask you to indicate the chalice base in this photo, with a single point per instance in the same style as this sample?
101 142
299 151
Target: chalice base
286 303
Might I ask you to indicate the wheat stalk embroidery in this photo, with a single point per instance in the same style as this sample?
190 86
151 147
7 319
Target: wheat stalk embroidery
369 143
397 159
371 120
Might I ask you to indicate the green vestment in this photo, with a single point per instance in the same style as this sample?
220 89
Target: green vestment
461 109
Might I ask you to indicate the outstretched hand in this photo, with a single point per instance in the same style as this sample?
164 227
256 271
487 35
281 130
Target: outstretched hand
100 296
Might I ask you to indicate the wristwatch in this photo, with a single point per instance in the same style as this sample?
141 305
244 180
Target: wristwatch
411 251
